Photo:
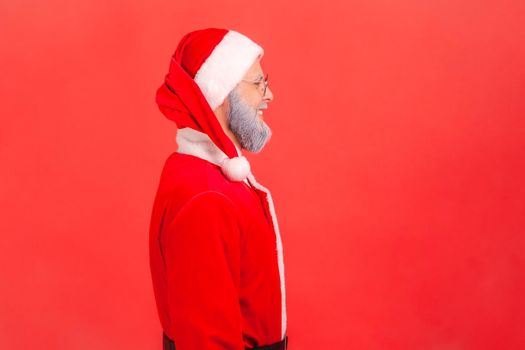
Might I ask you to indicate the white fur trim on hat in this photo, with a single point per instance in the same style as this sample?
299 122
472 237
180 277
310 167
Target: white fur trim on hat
226 66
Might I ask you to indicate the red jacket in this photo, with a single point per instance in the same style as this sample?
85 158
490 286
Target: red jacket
215 254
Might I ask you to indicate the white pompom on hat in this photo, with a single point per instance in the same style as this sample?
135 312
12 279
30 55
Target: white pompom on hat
236 168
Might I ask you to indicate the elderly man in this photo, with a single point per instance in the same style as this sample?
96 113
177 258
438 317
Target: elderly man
216 253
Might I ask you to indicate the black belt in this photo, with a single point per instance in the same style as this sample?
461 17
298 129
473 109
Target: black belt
168 344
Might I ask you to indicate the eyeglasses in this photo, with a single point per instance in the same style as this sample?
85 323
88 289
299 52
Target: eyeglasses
258 82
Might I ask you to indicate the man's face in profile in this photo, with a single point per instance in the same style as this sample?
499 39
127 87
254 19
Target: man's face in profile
246 104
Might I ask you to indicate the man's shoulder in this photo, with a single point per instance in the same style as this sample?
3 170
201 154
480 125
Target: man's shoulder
191 182
185 176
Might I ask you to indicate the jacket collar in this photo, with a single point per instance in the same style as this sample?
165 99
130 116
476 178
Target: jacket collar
199 144
196 143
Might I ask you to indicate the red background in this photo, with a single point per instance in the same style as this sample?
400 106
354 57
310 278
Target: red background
397 167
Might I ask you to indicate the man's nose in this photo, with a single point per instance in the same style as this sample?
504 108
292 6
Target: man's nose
269 94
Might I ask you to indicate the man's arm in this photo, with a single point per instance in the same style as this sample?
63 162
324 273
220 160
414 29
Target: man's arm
202 256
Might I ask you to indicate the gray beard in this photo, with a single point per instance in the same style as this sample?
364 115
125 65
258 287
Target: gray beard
243 121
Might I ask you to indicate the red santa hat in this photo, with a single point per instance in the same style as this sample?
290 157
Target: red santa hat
205 68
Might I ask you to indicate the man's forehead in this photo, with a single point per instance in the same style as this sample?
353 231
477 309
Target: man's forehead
256 75
255 71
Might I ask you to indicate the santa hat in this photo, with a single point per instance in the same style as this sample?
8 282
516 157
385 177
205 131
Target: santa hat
205 68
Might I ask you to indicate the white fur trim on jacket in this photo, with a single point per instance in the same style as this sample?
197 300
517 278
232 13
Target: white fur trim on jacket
199 144
279 246
226 66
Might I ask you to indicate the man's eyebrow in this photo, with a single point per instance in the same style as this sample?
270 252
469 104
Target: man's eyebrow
259 77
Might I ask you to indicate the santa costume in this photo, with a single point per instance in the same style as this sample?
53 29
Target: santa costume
216 253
